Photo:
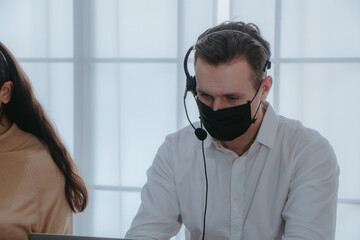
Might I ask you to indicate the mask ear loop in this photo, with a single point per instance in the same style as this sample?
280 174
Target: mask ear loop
267 66
254 119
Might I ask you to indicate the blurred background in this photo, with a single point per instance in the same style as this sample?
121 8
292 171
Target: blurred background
109 73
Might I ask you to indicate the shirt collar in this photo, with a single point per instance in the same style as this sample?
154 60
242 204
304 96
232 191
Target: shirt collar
267 132
208 140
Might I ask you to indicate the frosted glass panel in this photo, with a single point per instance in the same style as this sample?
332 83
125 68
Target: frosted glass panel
107 214
135 108
325 97
197 17
130 205
260 12
223 14
128 29
148 109
60 25
113 212
106 117
320 28
41 28
348 219
54 88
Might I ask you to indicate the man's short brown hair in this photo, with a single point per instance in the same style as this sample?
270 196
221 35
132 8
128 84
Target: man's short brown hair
234 40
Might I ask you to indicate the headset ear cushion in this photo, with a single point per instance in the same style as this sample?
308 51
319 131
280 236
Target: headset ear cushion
192 85
267 65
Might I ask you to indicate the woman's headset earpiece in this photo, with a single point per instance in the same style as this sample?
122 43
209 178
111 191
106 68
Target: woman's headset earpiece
6 66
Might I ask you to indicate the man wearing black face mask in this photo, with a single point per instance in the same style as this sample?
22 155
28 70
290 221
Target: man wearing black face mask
266 176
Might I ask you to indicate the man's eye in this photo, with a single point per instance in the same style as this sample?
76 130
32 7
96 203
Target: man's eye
206 96
232 98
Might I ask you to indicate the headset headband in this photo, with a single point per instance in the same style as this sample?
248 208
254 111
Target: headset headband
191 81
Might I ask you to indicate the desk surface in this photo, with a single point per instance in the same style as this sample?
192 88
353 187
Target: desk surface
43 236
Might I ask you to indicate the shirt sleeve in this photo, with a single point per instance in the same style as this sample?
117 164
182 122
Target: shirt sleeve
159 214
310 210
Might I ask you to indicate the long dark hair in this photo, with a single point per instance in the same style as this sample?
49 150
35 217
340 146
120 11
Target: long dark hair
25 110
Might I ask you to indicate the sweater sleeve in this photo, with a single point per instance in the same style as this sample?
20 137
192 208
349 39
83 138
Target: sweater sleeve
18 215
54 212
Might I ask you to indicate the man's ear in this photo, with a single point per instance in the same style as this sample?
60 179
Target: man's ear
5 92
265 87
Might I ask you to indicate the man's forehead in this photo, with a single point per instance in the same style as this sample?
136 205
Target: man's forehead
235 73
235 63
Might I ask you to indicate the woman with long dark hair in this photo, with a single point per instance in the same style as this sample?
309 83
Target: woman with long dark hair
40 188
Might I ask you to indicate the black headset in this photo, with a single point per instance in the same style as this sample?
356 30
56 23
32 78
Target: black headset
200 133
7 77
190 80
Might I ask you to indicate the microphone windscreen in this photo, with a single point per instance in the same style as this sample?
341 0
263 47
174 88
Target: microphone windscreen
201 134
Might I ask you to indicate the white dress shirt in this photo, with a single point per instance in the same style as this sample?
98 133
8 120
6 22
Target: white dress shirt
284 187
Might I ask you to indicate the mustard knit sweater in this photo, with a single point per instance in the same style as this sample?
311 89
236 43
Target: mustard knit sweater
32 196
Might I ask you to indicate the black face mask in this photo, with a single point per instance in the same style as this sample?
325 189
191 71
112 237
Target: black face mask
228 123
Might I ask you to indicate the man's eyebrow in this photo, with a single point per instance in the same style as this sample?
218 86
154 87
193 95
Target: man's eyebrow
202 92
239 95
235 94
